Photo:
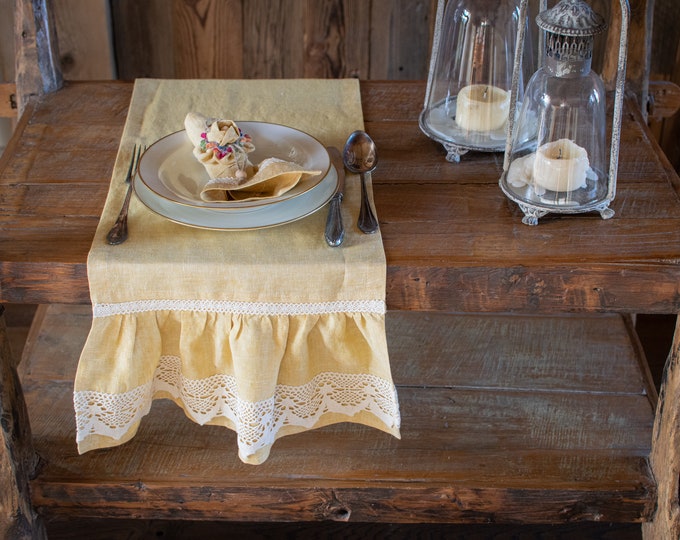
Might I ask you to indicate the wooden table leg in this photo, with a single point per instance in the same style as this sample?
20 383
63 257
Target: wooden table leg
18 460
665 456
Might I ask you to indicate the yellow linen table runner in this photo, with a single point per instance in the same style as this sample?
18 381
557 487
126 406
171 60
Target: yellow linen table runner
268 332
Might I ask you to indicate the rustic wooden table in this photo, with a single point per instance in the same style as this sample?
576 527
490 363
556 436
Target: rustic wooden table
524 392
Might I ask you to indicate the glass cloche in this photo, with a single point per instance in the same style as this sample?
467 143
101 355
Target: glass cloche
471 68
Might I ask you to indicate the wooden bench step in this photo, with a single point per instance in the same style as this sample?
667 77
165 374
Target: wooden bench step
505 418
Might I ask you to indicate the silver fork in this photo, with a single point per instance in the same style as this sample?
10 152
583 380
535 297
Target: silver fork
119 232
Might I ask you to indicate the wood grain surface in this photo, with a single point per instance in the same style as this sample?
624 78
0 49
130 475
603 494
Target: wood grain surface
36 53
370 39
18 460
452 240
453 244
273 38
85 39
504 419
665 455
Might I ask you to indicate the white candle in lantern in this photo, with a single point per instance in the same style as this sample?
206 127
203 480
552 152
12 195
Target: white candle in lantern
482 107
561 166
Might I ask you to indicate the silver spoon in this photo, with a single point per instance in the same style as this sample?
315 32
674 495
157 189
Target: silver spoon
360 156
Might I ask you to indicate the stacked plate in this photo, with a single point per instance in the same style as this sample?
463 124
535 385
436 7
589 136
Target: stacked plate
170 180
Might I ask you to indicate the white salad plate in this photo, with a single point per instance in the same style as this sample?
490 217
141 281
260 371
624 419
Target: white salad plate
169 168
257 217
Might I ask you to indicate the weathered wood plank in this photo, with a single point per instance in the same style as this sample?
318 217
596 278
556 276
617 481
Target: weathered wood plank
19 318
358 40
523 422
665 455
665 66
8 104
401 38
426 206
415 285
638 51
37 69
274 39
209 38
8 113
664 99
7 42
311 503
85 40
337 39
525 290
18 460
274 44
144 38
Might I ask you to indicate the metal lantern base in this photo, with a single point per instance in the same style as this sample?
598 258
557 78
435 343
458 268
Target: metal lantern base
456 146
533 212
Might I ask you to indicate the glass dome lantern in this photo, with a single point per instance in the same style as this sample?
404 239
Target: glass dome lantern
568 167
471 68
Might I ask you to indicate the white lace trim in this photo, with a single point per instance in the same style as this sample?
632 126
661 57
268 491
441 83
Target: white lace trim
240 308
256 423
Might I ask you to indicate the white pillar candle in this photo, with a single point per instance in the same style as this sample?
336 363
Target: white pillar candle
482 107
561 166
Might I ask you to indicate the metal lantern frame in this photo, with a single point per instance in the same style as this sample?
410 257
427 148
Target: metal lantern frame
534 211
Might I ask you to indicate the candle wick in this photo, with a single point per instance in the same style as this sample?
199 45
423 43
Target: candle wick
559 155
486 89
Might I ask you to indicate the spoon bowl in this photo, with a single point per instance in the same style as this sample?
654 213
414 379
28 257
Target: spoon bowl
361 156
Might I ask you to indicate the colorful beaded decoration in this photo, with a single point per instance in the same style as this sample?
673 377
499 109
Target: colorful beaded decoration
221 151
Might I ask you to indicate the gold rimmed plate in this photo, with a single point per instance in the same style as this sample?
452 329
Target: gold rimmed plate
250 218
169 170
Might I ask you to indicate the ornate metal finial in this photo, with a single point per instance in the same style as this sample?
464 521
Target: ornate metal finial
570 27
571 18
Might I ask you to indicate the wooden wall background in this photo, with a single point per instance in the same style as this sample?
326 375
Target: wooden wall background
368 39
665 65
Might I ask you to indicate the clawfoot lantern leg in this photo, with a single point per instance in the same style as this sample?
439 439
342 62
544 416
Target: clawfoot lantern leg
665 455
18 461
453 152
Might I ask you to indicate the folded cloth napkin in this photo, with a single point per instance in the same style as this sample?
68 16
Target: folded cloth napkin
220 146
267 332
273 177
223 148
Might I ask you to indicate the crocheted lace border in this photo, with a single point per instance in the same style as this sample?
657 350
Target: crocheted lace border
256 423
240 308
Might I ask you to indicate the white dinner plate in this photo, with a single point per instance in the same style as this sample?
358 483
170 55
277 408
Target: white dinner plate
170 170
258 217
